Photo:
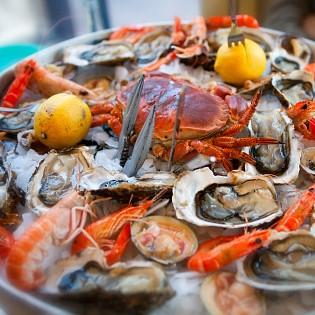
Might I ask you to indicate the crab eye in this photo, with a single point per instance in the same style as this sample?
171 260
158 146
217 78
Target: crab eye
304 106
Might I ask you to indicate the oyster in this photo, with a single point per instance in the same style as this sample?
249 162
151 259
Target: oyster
282 61
105 52
152 46
291 88
296 46
8 196
164 239
308 160
282 160
55 177
221 291
101 181
287 264
132 288
233 201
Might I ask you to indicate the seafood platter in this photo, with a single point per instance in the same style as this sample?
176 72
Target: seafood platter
161 169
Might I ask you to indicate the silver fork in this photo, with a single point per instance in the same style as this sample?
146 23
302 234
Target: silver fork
236 36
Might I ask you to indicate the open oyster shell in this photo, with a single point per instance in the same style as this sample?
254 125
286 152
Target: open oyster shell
101 181
232 201
282 61
56 176
280 161
293 87
287 264
308 160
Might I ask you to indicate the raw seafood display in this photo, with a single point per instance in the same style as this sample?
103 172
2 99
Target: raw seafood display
158 160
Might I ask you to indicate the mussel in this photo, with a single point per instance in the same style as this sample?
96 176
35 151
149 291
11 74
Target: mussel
164 239
231 201
221 291
287 264
282 160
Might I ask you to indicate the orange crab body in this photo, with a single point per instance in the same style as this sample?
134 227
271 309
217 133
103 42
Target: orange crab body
202 116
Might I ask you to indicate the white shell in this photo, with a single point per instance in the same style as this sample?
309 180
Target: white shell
292 172
190 183
67 165
282 286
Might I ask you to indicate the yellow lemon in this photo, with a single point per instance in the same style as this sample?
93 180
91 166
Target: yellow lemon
241 62
62 121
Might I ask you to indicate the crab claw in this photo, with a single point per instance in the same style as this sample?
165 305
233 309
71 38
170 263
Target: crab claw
302 113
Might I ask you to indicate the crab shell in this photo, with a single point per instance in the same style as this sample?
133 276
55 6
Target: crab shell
190 183
201 112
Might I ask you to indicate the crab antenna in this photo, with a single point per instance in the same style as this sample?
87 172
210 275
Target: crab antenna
130 116
142 146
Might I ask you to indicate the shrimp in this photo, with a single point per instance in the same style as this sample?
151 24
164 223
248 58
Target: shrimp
99 232
50 84
132 34
24 267
295 215
219 253
19 85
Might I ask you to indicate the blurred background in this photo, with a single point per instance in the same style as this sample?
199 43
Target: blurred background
40 23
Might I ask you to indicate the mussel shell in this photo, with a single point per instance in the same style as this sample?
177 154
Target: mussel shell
287 264
131 290
171 240
291 88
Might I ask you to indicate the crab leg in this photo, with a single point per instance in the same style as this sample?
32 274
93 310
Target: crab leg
229 142
246 117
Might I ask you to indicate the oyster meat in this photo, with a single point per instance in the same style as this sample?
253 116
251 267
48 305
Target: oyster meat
232 201
55 177
282 61
132 288
293 87
287 264
282 160
106 52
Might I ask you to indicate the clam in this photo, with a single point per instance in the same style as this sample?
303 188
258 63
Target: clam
287 264
114 183
221 291
296 46
282 61
105 52
308 160
233 201
164 239
281 161
293 87
132 288
152 46
55 177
